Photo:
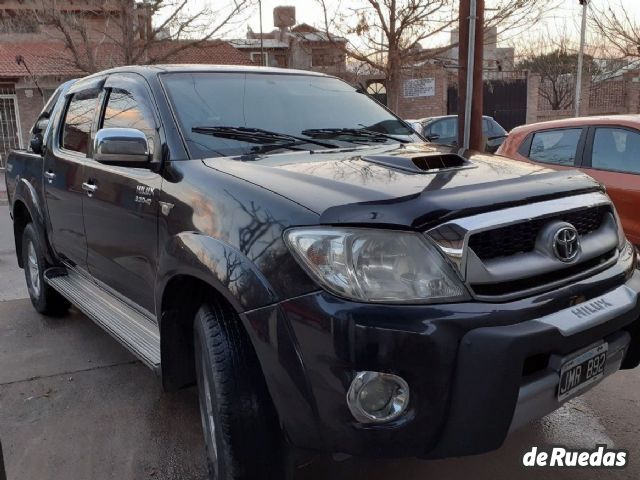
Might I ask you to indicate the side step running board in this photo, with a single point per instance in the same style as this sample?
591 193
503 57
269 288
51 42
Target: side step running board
134 330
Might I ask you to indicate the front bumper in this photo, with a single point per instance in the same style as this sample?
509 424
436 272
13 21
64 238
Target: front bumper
476 370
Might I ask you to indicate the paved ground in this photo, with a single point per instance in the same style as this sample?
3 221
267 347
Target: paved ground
76 405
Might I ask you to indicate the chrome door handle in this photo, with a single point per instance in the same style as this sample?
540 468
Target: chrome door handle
49 175
90 188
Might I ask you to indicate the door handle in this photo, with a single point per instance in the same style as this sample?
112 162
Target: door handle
90 188
49 175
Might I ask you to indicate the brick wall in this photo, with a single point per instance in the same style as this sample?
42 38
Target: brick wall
30 102
424 106
618 95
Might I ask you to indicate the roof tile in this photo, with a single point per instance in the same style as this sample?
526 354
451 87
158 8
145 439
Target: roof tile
50 58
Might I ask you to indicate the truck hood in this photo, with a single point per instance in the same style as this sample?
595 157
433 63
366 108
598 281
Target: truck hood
382 185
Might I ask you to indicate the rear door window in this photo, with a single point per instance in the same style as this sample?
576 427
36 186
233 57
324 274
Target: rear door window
616 149
76 130
556 146
447 128
497 130
486 128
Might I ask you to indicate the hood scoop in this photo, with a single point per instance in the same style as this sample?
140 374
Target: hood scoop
419 163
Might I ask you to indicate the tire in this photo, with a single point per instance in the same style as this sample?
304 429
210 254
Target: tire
243 439
44 298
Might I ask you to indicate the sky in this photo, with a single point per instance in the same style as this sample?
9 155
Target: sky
565 19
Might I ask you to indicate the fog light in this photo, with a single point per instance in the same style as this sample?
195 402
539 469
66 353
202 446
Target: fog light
376 397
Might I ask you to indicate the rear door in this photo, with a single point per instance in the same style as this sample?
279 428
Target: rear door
64 174
612 156
558 148
121 216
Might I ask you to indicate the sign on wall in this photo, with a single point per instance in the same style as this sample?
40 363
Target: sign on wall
419 87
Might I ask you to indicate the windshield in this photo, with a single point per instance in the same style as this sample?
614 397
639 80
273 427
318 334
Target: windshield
286 104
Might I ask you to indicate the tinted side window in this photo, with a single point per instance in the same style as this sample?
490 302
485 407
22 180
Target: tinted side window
125 111
616 149
486 128
76 130
497 130
555 146
445 128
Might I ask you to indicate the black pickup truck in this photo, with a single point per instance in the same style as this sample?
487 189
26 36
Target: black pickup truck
329 280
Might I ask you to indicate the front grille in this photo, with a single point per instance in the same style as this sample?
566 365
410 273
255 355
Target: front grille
521 237
524 284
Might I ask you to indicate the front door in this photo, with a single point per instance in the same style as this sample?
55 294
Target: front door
64 175
612 157
121 216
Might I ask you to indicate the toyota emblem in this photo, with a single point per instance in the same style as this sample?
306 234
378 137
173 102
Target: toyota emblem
566 243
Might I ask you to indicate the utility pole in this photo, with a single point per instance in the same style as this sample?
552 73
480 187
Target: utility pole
470 86
263 61
583 30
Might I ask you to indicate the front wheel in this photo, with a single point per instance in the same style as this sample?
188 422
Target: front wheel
241 429
44 298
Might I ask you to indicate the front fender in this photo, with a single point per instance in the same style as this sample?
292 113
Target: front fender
218 264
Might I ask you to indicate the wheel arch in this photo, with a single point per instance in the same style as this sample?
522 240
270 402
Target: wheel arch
26 209
195 268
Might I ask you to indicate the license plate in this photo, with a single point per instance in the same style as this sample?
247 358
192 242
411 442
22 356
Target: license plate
581 371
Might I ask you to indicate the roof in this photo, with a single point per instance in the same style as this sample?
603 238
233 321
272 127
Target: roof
42 58
182 67
52 59
318 37
431 119
582 121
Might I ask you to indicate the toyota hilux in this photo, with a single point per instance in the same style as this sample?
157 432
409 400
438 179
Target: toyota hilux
329 280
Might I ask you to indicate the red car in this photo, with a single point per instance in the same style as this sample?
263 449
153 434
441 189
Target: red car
607 148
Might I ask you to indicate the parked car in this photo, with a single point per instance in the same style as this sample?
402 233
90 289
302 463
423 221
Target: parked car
607 148
444 130
328 280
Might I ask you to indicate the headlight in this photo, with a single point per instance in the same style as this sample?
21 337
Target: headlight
622 238
628 258
375 265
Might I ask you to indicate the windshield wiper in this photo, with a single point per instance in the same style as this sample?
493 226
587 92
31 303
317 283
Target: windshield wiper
267 140
360 133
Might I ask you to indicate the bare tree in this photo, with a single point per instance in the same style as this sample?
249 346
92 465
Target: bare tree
388 35
555 61
615 23
114 32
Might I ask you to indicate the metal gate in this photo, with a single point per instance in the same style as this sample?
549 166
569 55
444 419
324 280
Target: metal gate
10 132
503 99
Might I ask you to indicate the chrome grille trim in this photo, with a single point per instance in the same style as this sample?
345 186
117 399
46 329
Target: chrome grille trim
453 237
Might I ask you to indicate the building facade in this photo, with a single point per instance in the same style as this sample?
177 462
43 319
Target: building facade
292 45
34 58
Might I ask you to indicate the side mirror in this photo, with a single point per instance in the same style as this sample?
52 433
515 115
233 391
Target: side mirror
36 144
126 147
433 137
41 124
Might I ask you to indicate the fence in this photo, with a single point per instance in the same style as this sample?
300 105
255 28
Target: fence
10 133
